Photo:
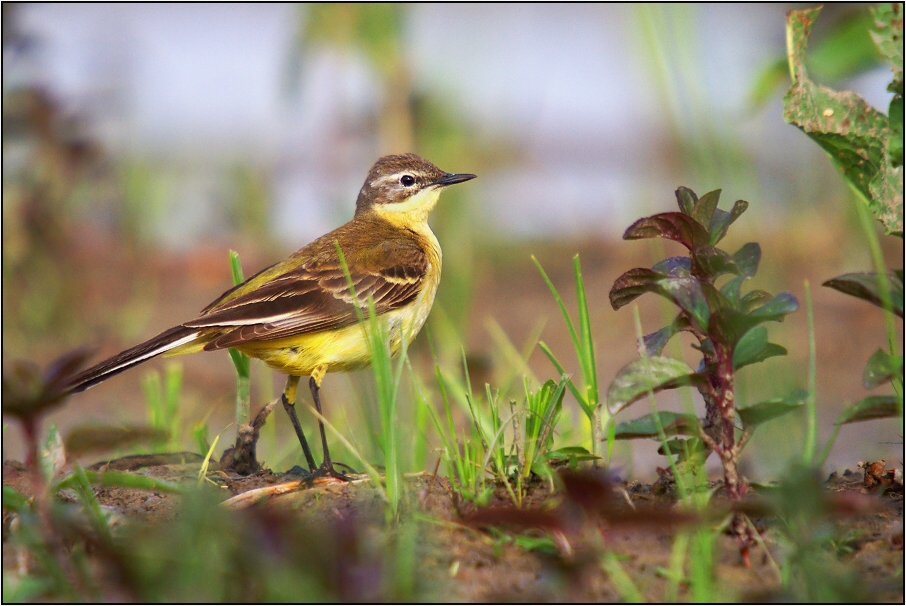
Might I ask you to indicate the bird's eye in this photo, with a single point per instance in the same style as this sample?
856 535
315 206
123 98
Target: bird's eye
407 180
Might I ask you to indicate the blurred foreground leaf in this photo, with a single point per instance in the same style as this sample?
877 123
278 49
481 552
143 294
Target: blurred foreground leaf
83 440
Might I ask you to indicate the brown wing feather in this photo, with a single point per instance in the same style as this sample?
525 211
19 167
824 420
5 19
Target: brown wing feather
314 295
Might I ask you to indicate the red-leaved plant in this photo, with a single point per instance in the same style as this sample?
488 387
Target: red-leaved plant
726 323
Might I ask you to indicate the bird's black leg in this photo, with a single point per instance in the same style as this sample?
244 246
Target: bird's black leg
327 467
289 393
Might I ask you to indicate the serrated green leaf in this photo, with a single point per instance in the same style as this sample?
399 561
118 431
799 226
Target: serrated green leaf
754 347
881 367
853 133
870 408
866 286
888 35
672 423
755 415
639 377
844 50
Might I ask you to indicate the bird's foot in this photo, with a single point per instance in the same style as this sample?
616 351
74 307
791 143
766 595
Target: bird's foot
329 469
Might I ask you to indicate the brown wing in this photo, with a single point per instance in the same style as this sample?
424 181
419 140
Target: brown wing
314 295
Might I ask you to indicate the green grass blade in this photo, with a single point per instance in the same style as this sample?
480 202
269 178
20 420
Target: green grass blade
587 356
811 427
553 289
241 362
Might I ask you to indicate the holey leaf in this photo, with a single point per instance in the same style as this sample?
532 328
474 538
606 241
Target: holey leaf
639 377
855 135
672 423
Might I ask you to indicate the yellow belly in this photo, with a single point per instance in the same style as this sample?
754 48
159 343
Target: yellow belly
346 348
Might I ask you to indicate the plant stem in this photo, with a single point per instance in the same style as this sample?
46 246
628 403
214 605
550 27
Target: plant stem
811 427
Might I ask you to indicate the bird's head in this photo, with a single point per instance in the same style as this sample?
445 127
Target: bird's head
404 188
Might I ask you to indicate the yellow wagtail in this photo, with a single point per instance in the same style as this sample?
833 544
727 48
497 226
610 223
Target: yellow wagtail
299 317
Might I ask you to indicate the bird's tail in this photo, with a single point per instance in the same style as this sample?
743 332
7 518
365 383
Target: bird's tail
165 341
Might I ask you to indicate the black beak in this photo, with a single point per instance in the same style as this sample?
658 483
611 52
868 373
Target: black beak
451 179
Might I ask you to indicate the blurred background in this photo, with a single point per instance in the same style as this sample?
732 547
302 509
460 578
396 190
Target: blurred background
142 142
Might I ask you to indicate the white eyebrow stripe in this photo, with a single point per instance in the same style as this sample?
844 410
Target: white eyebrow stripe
394 178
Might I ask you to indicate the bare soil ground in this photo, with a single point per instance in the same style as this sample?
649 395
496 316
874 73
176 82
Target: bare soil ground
459 561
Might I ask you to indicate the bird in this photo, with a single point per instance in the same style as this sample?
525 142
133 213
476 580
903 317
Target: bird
301 317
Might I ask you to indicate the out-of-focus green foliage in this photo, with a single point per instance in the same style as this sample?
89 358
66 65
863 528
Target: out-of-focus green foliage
855 135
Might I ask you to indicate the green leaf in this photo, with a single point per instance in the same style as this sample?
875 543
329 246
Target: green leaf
755 415
686 200
687 293
704 208
870 408
714 262
844 50
692 449
754 347
632 284
866 285
774 310
888 35
881 367
672 423
672 226
753 299
675 267
895 120
730 290
656 341
728 325
747 259
639 377
722 220
853 133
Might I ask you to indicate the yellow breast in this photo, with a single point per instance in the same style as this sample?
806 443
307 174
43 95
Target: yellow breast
347 348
